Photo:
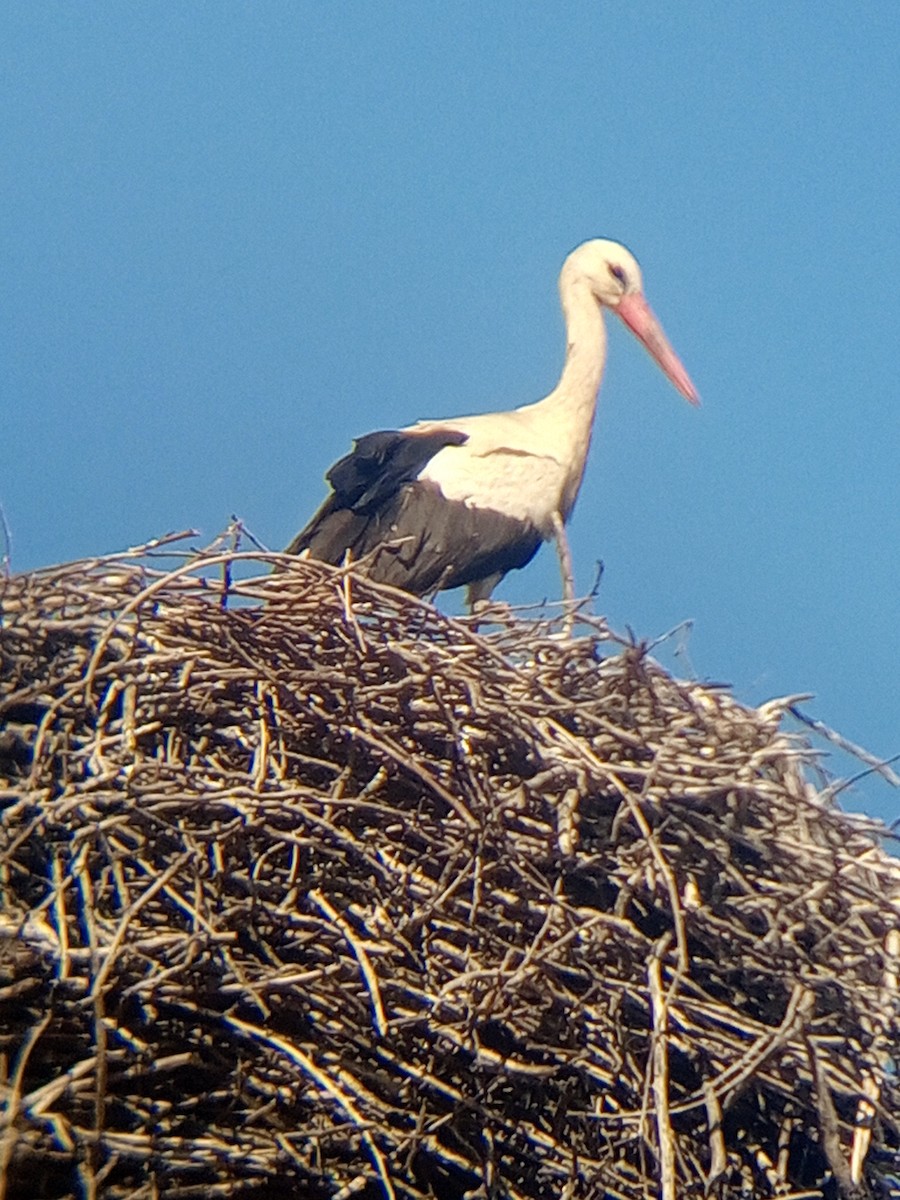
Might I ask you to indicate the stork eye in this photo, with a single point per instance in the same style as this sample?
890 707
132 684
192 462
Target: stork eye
618 273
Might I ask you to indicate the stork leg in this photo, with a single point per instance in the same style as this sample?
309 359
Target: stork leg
565 570
478 593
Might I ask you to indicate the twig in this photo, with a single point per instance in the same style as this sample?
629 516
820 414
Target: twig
879 765
327 1085
361 956
14 1097
660 1073
6 556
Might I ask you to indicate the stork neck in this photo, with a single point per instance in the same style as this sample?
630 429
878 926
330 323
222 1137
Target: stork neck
585 347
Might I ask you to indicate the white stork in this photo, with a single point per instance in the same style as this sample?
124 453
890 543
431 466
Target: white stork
461 501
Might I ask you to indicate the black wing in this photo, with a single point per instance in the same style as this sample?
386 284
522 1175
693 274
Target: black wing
410 535
380 463
363 482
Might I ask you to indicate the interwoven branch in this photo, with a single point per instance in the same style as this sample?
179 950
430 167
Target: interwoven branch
310 890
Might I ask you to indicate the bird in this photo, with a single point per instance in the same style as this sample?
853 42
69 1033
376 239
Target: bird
458 502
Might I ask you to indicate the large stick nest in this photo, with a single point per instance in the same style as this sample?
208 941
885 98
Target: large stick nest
308 890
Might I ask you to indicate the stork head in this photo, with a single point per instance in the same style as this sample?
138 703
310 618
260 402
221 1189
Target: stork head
611 274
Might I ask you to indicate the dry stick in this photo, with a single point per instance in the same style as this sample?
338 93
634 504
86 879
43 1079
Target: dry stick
718 1160
784 1151
13 1099
151 590
345 589
6 556
411 763
87 1167
365 966
260 764
878 765
660 1070
665 870
59 914
800 1005
865 1110
37 1101
325 1083
828 1120
87 675
128 916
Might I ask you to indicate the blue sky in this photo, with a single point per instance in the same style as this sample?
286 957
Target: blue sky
236 236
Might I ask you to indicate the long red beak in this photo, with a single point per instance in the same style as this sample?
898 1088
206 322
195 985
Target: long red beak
644 324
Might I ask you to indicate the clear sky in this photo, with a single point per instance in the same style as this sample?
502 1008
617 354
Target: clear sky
235 236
